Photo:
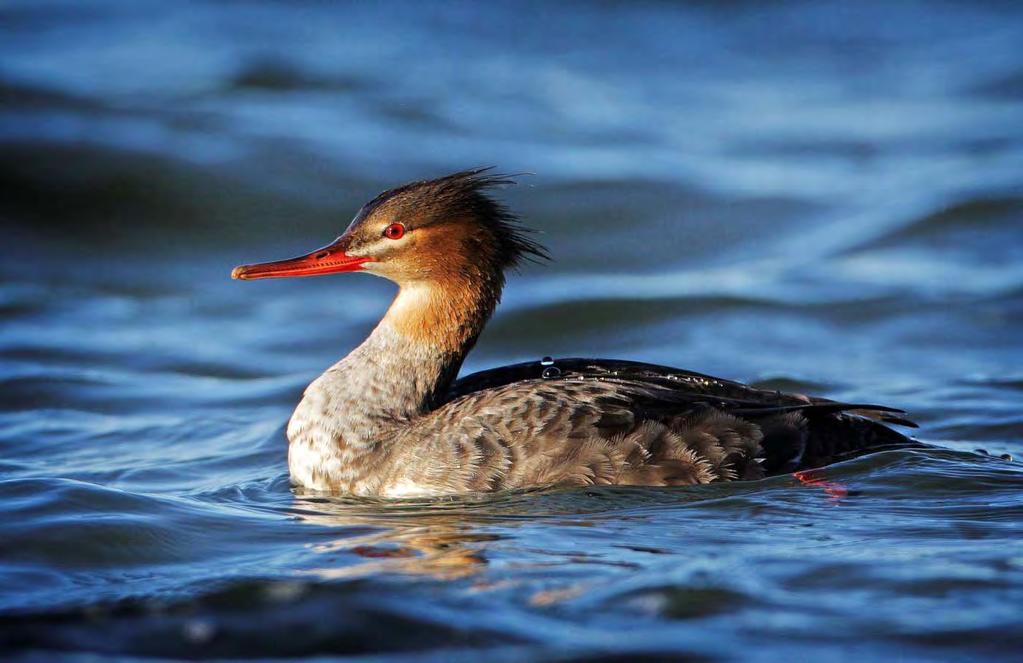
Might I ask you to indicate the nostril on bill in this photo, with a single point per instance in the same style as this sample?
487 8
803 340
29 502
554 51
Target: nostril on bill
321 255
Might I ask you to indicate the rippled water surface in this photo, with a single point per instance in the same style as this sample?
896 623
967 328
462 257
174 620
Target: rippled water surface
813 196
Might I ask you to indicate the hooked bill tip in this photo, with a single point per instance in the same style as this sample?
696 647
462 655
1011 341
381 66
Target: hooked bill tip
238 273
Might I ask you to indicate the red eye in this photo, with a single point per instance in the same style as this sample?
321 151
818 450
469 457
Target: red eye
394 231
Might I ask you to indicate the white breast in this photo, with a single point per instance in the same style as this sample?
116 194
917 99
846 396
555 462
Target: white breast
407 488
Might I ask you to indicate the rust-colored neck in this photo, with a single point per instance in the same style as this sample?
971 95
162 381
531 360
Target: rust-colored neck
446 317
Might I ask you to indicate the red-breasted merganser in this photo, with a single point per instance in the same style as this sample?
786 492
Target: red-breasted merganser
390 419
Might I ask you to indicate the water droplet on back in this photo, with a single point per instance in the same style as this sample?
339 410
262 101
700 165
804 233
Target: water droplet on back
551 372
547 361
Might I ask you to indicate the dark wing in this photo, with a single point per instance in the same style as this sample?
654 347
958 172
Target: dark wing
834 430
724 393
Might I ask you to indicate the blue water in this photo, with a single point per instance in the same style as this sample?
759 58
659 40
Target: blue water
823 197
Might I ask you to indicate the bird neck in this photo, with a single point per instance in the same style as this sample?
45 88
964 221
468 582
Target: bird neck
444 316
405 366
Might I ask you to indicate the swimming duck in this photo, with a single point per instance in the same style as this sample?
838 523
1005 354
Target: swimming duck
391 419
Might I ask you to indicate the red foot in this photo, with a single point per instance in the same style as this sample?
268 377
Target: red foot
815 479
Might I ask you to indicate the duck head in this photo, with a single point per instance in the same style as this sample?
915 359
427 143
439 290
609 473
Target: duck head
437 231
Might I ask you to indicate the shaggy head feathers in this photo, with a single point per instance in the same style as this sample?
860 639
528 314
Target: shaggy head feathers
464 198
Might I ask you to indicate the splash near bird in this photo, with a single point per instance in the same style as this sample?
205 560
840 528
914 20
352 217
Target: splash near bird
391 420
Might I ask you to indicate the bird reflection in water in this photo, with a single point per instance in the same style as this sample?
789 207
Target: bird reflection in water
445 540
417 538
